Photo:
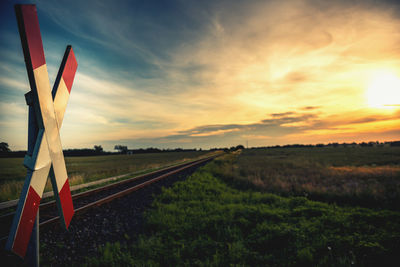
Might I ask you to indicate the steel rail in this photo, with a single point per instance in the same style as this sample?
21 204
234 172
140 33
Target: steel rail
170 171
126 191
52 203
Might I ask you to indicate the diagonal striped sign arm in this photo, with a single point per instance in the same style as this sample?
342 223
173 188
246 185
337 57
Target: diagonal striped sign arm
49 120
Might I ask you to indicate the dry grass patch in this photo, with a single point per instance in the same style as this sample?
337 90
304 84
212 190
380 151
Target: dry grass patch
352 175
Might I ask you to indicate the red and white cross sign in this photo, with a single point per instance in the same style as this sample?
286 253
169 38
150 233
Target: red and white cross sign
49 111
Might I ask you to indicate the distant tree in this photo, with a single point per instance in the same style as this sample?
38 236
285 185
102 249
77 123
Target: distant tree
4 147
121 149
98 149
363 144
371 143
239 147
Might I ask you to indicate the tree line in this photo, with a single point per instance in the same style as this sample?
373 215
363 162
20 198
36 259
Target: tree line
97 150
353 144
5 151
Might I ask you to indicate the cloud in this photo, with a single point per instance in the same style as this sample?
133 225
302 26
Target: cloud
12 109
14 84
208 73
276 129
282 114
310 108
273 126
296 77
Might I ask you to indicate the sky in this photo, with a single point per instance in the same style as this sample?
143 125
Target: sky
203 74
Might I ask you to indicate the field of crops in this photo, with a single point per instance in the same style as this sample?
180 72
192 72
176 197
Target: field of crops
86 169
256 208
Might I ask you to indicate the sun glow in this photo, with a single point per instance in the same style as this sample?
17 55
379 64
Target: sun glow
384 90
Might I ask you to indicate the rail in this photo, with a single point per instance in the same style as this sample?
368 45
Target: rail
101 195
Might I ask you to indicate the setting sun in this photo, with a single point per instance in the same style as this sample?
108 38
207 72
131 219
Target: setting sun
215 74
384 90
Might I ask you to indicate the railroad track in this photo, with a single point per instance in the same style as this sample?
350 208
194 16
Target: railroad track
92 198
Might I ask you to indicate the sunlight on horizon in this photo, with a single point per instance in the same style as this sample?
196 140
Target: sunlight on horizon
384 90
217 74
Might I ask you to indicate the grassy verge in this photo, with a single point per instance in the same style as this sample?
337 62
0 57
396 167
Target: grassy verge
203 221
87 169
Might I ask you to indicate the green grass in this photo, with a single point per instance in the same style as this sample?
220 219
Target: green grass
204 221
87 169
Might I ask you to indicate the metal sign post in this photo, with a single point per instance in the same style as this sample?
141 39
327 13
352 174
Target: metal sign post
46 112
32 251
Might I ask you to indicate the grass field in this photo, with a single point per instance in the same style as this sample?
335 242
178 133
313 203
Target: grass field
86 169
366 176
211 219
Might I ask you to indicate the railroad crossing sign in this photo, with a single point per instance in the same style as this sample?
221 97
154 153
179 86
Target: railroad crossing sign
46 112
